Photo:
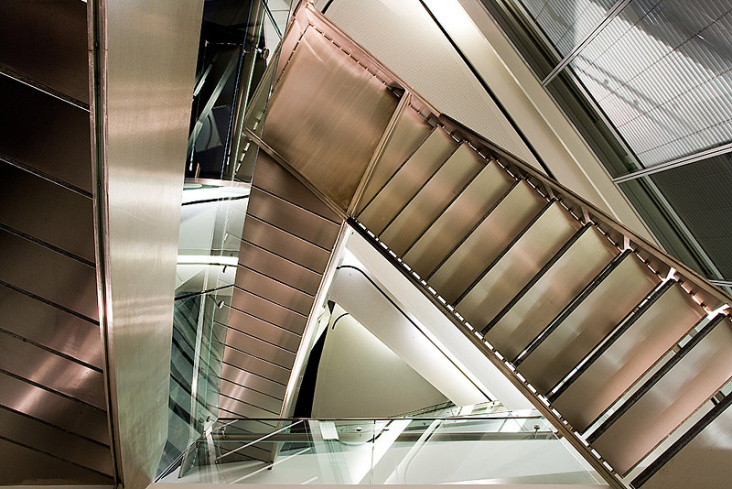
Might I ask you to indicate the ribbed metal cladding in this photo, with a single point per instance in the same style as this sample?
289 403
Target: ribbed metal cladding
53 412
288 238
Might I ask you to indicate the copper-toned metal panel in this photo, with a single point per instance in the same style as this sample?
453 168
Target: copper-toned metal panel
252 398
293 219
49 274
46 211
274 291
251 363
262 349
55 442
432 199
66 149
50 327
458 219
286 245
409 180
263 330
623 363
279 268
234 379
341 111
592 320
271 177
548 296
31 465
268 311
487 241
410 131
47 42
688 385
520 263
703 463
55 372
231 408
53 409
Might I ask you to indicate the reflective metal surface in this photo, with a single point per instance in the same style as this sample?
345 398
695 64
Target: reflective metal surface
701 463
605 307
432 199
401 188
486 241
291 218
619 367
50 327
458 219
286 245
64 153
143 65
274 179
47 211
278 292
409 133
688 385
263 330
325 87
551 293
279 268
47 42
49 274
287 241
514 269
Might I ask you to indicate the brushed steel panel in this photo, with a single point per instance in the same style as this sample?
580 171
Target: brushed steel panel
57 373
286 245
278 268
65 446
589 323
263 330
432 199
704 462
249 401
234 379
487 241
636 351
410 178
410 131
46 211
341 111
292 219
516 268
31 465
277 292
66 149
458 219
270 176
268 311
50 327
551 293
256 365
688 385
54 409
262 349
47 41
147 55
267 398
230 408
48 274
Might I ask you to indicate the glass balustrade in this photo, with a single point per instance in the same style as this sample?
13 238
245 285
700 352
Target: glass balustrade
502 448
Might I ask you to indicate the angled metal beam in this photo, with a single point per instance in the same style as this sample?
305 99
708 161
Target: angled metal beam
609 16
684 160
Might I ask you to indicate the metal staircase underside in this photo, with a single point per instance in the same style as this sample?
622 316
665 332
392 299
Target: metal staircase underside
614 341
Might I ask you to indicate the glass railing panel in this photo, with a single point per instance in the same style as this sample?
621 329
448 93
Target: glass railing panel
423 451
